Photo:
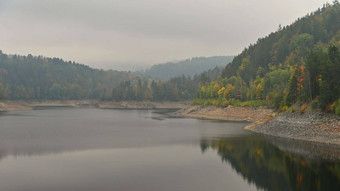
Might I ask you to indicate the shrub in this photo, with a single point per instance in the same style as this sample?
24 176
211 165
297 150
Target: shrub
283 108
337 107
315 104
337 110
303 107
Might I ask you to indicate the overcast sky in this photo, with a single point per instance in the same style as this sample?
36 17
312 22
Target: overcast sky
111 34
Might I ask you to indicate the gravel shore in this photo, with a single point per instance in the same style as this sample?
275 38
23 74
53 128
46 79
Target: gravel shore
317 127
310 126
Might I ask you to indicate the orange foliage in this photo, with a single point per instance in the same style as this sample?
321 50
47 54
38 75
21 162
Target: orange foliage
299 179
229 88
267 97
217 86
303 163
303 107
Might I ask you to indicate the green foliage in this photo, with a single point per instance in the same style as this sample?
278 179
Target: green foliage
294 41
337 109
293 90
232 102
28 77
276 81
180 88
2 91
40 78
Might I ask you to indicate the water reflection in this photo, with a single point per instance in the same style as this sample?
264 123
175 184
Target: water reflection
50 131
70 147
260 161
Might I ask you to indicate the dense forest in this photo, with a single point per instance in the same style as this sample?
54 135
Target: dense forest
29 77
188 67
297 64
40 78
174 89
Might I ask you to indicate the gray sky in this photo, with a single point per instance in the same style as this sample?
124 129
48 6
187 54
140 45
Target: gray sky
117 34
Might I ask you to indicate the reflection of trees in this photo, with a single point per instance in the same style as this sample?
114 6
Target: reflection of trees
270 168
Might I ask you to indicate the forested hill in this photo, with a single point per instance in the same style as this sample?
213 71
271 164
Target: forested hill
40 78
29 77
296 66
188 67
287 45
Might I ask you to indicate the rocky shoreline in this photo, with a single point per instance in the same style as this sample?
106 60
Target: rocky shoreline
317 127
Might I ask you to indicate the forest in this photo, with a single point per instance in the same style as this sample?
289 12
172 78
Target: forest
40 78
174 89
36 77
298 64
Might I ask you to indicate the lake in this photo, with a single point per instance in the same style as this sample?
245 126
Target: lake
126 150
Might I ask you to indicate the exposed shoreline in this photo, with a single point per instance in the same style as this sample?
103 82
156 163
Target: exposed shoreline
314 127
317 127
246 114
30 105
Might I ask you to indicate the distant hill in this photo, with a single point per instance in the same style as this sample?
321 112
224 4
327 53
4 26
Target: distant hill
188 67
37 77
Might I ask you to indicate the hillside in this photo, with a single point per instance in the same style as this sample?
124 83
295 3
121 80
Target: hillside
297 65
40 78
287 45
188 67
30 77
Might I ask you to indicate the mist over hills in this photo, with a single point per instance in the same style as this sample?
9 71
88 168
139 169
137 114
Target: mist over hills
188 67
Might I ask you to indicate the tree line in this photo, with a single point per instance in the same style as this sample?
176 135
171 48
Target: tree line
40 78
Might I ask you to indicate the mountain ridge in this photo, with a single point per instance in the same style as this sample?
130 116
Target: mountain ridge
188 67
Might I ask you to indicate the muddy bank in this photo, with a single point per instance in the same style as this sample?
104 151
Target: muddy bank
30 105
310 126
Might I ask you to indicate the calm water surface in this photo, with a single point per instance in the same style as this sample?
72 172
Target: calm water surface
93 149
